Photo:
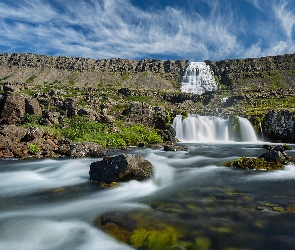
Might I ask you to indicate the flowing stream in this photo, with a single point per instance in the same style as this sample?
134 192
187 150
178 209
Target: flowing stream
50 204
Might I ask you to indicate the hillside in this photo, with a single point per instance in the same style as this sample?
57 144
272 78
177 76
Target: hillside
118 102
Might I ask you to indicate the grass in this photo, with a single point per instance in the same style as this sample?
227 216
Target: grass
79 129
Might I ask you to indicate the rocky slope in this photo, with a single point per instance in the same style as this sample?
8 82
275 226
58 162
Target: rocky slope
115 94
29 70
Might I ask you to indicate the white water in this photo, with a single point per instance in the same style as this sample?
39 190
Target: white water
198 128
39 216
198 79
247 132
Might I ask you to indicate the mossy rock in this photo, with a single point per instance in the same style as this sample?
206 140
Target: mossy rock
254 163
142 230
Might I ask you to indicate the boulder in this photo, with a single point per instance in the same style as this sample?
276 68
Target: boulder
276 153
279 126
32 134
92 115
121 168
49 118
13 108
15 133
32 106
86 149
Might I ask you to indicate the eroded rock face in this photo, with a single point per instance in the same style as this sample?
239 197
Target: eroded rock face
121 168
279 126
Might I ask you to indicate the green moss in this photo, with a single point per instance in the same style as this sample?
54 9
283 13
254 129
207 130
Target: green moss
234 128
254 163
152 239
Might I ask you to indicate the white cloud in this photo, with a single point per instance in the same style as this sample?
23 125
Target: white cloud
285 15
116 28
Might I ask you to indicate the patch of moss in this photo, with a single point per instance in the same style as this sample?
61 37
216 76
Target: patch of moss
254 163
153 239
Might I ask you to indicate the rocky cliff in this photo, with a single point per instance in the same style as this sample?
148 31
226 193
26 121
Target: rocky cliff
115 94
28 70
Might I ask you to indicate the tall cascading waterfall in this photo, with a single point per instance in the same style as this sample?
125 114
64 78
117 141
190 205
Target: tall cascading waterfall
210 129
198 79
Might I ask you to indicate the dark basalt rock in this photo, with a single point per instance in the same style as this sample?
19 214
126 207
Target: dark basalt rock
174 148
86 149
121 168
273 159
279 126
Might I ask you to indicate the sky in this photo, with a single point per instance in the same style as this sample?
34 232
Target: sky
194 30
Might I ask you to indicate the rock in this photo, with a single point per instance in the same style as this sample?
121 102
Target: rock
171 134
273 159
69 106
279 126
142 230
32 134
174 148
124 91
139 113
64 147
15 133
91 114
121 168
86 149
32 106
276 153
13 109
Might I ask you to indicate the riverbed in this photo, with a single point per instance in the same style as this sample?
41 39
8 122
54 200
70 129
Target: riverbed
51 204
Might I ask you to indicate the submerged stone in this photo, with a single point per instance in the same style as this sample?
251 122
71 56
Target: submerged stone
141 230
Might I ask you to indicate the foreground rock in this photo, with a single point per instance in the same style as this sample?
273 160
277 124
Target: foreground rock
121 168
273 159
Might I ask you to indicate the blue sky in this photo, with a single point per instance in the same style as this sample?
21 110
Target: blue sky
196 30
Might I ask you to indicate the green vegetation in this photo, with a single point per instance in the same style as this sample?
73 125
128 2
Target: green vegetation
152 239
254 163
5 77
31 79
30 120
33 148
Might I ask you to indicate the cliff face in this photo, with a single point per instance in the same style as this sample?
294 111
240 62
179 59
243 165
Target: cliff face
32 70
256 73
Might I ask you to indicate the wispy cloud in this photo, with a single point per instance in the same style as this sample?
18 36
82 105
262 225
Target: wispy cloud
285 14
117 28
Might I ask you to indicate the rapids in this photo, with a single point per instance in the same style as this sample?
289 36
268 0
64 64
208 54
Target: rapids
50 204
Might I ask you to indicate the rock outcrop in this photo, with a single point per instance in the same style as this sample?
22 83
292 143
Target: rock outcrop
86 149
274 159
121 168
279 126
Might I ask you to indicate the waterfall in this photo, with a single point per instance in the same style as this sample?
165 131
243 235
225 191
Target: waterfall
247 131
198 79
210 129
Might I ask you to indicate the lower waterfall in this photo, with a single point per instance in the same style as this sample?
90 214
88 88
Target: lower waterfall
210 129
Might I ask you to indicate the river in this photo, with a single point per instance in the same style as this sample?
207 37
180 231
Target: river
50 204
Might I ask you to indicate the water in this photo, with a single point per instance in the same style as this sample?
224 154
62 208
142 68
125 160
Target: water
50 204
197 128
198 79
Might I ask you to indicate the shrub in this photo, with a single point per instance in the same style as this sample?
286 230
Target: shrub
33 148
